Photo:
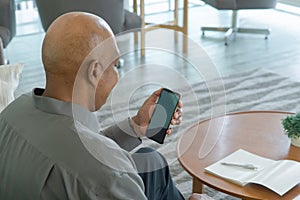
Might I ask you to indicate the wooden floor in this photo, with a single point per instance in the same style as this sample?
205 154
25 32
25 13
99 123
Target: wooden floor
207 57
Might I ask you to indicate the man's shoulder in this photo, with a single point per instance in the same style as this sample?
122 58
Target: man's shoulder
20 104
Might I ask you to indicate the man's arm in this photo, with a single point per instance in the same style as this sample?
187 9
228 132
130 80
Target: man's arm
123 134
127 133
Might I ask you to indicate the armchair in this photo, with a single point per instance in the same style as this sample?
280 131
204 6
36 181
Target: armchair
236 5
112 11
7 25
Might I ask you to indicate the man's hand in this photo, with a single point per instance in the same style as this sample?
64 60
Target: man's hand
141 121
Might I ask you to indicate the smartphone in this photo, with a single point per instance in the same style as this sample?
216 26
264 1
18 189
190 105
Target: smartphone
162 115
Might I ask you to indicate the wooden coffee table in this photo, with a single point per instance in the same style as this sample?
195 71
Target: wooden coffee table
208 141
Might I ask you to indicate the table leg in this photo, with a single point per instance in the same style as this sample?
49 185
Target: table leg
174 26
176 20
185 26
197 186
143 31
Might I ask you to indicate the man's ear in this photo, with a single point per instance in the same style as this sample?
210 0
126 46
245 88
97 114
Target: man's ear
94 72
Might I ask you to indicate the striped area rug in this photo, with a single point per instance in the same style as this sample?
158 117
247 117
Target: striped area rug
251 90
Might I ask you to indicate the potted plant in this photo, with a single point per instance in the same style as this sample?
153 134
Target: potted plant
291 125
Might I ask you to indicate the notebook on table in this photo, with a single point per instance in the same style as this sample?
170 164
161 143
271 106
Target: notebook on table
242 167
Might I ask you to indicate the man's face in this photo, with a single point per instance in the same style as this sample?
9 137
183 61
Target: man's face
109 77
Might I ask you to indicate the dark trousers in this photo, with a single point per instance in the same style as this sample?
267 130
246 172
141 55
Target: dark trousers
154 170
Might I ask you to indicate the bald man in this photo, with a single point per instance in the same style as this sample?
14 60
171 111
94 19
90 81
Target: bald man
50 143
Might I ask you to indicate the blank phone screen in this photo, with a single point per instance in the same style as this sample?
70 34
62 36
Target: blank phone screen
164 110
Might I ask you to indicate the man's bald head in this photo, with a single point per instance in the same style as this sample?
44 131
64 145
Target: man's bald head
69 40
79 53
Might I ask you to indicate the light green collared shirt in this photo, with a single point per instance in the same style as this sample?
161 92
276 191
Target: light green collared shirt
51 149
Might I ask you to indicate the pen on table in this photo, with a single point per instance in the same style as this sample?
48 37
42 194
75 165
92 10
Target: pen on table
245 166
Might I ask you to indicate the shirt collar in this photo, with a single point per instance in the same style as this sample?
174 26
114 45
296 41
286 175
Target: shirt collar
75 111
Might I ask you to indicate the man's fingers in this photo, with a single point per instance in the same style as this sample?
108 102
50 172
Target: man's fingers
177 115
169 131
176 121
155 95
179 105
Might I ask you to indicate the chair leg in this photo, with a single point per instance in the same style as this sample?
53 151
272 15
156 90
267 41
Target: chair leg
220 29
2 61
234 19
143 42
265 32
230 32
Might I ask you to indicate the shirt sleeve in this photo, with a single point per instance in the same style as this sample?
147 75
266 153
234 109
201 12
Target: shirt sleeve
123 134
